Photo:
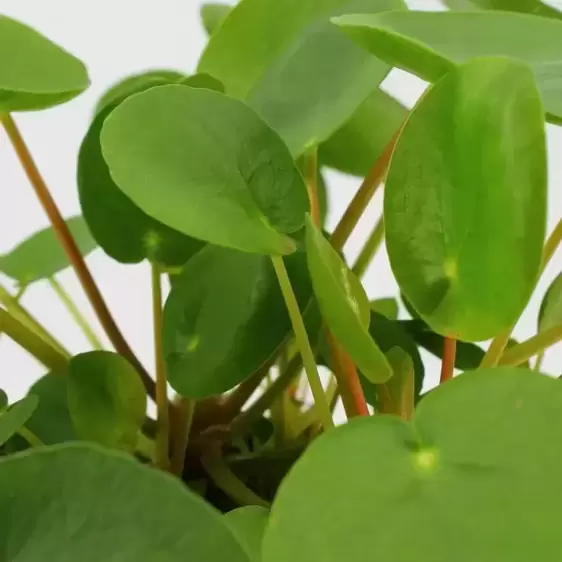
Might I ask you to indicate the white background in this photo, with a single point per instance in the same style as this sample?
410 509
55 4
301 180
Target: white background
120 37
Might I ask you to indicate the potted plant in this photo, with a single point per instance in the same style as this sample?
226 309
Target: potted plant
216 179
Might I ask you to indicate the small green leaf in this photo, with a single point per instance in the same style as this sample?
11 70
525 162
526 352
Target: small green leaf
344 305
307 78
534 7
550 313
248 526
92 505
474 476
125 233
212 15
386 307
397 396
225 318
3 399
203 81
430 44
218 156
466 184
16 416
41 255
35 73
106 399
356 146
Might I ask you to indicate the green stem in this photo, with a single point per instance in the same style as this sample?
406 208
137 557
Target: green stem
522 352
538 363
310 170
145 447
44 352
552 244
163 433
301 336
370 249
16 309
183 414
77 316
30 437
234 403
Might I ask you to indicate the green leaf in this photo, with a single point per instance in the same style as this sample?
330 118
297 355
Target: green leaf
357 145
344 305
248 526
12 419
430 44
176 150
106 399
125 232
41 255
550 313
534 7
307 78
203 81
466 184
475 476
212 15
3 400
225 318
92 505
387 307
35 73
397 396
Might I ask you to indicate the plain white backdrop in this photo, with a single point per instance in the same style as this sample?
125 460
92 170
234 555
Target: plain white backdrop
115 39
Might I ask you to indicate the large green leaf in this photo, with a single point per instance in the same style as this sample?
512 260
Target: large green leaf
77 502
535 7
430 44
550 313
212 15
356 146
41 255
208 166
125 232
344 305
106 399
12 419
466 185
248 526
225 318
475 476
35 73
306 79
3 399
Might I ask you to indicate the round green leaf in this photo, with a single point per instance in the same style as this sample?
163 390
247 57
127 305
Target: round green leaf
430 44
248 526
91 505
387 307
344 305
475 476
12 419
467 184
212 15
3 399
307 79
106 399
225 317
357 145
125 232
35 73
203 81
41 255
550 313
535 7
176 151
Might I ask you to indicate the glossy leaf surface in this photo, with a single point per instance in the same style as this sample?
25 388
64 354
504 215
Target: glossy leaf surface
34 72
466 185
432 479
225 318
430 44
248 526
176 150
92 505
16 416
106 399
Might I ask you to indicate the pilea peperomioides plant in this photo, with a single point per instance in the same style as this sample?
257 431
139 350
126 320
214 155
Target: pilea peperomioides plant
216 179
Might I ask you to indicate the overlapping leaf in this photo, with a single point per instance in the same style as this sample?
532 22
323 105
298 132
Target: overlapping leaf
550 313
535 7
12 419
248 526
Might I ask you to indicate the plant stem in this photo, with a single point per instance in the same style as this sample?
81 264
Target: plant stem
363 196
311 179
448 362
369 249
43 351
552 244
348 380
538 362
301 336
16 309
520 353
72 251
163 432
234 403
77 316
30 437
183 419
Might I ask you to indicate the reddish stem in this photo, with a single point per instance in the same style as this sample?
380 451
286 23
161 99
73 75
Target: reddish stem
448 362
